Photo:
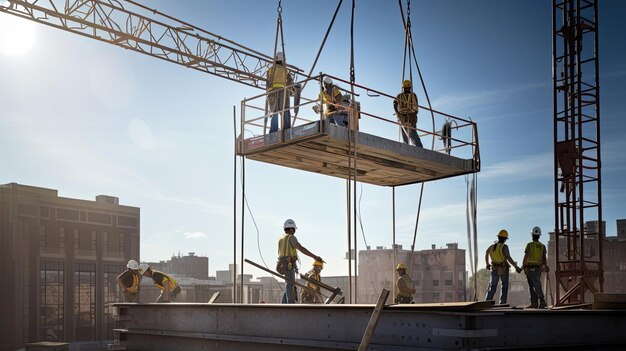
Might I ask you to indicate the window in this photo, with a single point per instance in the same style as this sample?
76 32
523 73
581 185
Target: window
436 297
449 296
85 301
62 238
447 276
435 282
111 294
52 313
42 236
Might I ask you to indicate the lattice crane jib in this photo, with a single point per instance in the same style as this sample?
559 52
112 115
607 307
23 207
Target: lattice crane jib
579 229
152 33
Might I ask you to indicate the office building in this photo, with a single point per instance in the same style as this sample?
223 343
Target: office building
60 257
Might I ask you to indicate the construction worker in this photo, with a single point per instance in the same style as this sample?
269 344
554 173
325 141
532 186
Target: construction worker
169 288
314 273
288 247
332 99
500 259
278 79
404 285
129 281
535 261
406 108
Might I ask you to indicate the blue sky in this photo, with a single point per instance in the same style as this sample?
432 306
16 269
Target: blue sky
88 118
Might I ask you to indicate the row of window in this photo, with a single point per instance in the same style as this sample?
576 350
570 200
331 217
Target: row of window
85 290
81 242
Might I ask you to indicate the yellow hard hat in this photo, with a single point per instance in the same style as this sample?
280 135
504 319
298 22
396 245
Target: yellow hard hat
318 263
503 234
406 84
400 266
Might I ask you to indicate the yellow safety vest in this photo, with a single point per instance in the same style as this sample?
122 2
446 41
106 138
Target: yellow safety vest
314 276
535 251
135 287
404 285
331 100
408 103
277 76
497 254
285 249
169 280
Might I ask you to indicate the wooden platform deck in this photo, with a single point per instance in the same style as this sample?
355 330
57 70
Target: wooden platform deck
323 148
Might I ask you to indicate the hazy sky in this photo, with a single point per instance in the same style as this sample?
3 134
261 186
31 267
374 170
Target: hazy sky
88 118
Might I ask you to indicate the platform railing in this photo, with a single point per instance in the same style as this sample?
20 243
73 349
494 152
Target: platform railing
369 111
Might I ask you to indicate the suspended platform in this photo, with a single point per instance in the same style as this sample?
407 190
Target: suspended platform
324 148
436 326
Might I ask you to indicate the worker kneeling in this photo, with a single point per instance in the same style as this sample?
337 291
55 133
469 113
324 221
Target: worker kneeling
165 282
307 296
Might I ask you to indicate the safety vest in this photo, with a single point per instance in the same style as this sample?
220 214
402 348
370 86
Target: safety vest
167 279
135 287
497 253
332 99
285 249
408 103
404 285
315 276
535 253
278 76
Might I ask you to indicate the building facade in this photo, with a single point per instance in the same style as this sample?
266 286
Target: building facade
60 257
613 255
190 266
438 275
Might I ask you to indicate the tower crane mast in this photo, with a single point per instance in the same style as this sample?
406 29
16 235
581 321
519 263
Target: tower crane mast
120 23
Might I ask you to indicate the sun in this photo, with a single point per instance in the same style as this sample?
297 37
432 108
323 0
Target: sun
17 35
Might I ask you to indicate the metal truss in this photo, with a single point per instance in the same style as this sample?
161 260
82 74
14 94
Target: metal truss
169 39
579 229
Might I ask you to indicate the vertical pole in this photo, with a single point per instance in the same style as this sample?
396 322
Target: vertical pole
394 254
349 236
235 200
243 230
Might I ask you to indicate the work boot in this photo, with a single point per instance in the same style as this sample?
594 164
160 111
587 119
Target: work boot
533 304
542 304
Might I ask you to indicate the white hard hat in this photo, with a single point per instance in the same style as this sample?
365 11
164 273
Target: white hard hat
328 80
290 224
536 231
280 56
132 264
143 268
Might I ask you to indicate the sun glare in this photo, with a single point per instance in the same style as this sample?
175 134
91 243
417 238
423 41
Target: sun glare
17 35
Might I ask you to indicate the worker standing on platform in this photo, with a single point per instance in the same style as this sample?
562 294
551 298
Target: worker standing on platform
314 273
331 98
288 247
406 108
500 259
278 79
404 285
168 285
129 280
535 261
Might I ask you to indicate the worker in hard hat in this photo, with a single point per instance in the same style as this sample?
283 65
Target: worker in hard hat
314 273
278 81
165 282
405 105
535 261
129 281
331 98
499 267
404 285
288 247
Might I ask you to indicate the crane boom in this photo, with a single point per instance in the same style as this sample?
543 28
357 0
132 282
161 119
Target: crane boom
168 39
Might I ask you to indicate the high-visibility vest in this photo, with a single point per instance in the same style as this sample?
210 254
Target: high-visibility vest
408 103
315 276
167 279
285 249
404 285
497 253
535 253
332 99
277 76
135 287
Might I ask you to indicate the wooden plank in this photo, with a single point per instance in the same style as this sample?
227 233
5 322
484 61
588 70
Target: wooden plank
371 326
